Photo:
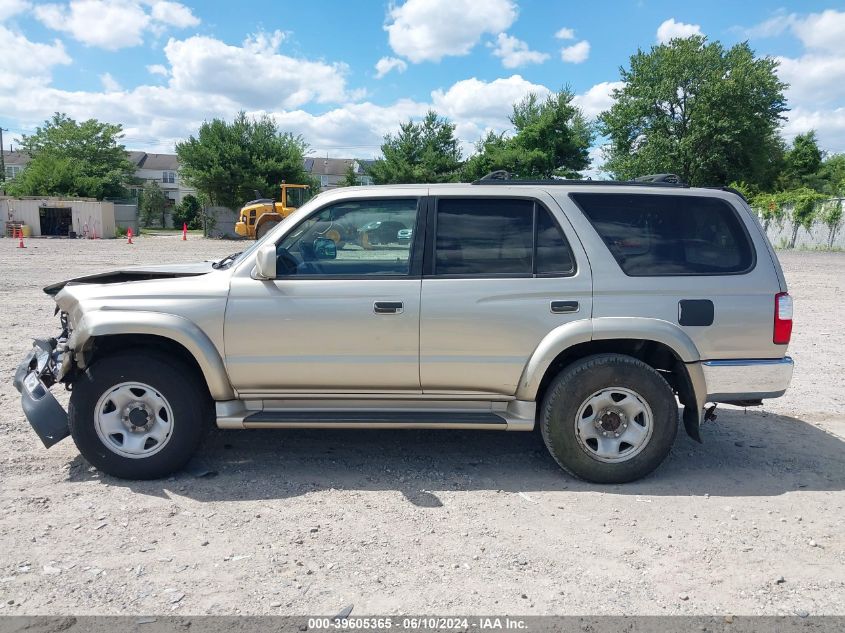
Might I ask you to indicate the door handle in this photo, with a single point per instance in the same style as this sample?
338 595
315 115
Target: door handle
564 307
388 307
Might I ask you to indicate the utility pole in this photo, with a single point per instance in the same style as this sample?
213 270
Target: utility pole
2 157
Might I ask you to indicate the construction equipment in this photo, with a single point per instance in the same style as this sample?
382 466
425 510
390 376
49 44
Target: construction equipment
258 216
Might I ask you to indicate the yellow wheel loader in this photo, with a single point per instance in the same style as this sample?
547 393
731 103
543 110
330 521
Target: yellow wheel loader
257 217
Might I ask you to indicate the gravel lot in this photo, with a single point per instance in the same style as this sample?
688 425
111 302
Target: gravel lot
305 522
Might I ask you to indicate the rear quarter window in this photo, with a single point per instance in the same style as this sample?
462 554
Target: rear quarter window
664 235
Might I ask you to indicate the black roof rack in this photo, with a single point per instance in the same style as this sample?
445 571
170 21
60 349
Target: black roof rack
501 177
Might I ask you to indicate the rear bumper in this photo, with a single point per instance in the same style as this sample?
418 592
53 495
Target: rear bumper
746 379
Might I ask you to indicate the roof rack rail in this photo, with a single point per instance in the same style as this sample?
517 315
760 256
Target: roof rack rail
733 190
502 177
499 174
666 178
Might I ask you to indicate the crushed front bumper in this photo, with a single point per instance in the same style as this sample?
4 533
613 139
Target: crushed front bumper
33 379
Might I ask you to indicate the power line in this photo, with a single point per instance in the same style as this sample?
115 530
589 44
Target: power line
2 157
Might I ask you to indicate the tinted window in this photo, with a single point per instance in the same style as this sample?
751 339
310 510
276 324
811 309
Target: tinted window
553 253
361 237
652 235
484 236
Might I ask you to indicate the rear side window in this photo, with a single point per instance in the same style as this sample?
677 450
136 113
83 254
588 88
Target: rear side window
553 254
490 237
660 235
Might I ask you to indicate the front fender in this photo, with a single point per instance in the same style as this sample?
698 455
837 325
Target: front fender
170 326
602 328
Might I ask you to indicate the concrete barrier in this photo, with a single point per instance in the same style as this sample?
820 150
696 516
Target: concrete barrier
817 237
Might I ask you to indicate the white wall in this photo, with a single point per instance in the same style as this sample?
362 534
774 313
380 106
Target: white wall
87 216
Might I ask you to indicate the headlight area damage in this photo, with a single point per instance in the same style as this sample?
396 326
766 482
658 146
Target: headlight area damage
40 370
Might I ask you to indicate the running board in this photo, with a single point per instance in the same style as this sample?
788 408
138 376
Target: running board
376 419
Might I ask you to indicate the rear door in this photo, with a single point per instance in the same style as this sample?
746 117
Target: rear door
499 274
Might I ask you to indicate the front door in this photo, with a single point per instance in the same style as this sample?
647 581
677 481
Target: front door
500 274
342 316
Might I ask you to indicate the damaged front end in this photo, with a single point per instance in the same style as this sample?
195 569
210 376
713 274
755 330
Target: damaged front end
45 365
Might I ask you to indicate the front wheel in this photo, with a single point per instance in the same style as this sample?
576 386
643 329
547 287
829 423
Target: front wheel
609 418
138 414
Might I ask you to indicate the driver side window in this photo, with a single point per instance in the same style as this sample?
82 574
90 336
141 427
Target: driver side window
352 238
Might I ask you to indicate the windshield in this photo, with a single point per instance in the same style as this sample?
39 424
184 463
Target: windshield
296 197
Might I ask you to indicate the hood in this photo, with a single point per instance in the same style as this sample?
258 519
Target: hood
135 273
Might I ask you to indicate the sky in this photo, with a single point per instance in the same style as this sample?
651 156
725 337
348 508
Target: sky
342 74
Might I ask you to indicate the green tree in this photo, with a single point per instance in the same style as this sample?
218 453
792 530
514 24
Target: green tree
832 175
152 204
350 178
804 202
421 152
831 215
228 162
770 208
802 163
189 212
552 138
74 159
694 108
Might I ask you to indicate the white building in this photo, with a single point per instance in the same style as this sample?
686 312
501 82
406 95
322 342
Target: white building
162 169
332 171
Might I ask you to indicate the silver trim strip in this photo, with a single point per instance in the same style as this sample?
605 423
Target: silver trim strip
745 379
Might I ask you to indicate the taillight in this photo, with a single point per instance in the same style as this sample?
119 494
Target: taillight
783 318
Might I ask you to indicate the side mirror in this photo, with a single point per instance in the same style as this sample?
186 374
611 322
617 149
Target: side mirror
265 261
324 248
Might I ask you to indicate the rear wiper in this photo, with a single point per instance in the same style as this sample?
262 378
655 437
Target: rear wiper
226 260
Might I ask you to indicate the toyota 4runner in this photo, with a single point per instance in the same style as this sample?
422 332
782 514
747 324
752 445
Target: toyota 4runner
587 309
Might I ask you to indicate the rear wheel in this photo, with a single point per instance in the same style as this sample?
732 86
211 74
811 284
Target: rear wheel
265 228
609 419
138 415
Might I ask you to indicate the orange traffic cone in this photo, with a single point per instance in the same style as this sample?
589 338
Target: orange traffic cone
20 236
129 235
184 231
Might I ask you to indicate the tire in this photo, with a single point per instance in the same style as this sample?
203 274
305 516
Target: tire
601 396
144 385
264 229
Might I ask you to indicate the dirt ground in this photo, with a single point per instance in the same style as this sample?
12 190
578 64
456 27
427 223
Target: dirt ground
436 522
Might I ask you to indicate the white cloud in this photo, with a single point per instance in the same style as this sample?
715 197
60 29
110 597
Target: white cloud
110 84
386 64
489 102
28 59
8 8
823 31
207 78
816 78
565 34
828 124
255 74
813 79
515 53
113 24
576 53
598 98
670 30
429 30
174 13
